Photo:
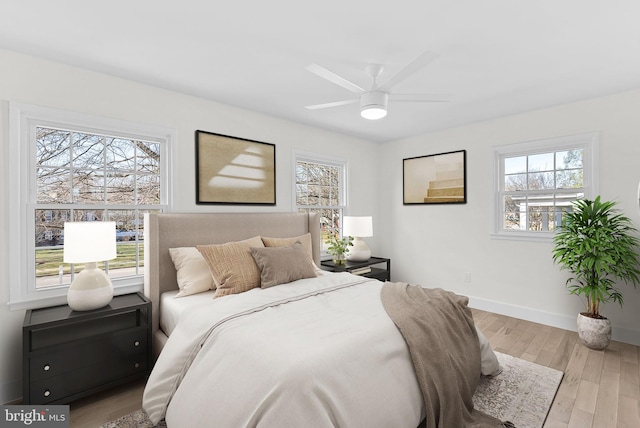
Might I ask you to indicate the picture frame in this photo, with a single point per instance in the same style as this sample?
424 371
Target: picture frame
234 171
435 179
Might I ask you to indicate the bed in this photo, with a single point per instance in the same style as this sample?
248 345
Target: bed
316 351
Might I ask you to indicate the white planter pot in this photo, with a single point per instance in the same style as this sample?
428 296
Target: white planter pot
594 333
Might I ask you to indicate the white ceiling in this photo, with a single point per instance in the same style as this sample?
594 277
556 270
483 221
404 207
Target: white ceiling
498 57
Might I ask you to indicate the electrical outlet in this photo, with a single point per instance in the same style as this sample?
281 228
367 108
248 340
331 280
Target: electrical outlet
467 277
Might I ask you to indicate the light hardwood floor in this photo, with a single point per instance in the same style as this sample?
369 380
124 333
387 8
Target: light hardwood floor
600 389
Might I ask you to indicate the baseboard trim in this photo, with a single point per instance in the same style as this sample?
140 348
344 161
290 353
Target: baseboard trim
619 334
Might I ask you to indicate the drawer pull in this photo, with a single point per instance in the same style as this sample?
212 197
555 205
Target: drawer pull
47 393
136 343
136 365
46 367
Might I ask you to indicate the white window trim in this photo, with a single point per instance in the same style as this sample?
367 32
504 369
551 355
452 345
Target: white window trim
23 294
588 141
305 156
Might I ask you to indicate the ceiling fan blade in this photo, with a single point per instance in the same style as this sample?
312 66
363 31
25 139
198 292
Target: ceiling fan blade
422 98
333 104
421 61
334 78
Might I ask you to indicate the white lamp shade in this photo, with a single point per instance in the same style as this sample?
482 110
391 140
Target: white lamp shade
89 241
358 227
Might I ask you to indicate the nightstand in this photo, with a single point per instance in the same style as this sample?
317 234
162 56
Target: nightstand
366 268
68 355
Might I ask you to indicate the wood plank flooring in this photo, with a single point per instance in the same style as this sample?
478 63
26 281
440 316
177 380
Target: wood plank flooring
600 389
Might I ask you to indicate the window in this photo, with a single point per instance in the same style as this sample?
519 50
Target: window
320 187
537 182
76 167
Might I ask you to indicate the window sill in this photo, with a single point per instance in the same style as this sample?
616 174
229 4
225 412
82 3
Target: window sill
524 236
60 298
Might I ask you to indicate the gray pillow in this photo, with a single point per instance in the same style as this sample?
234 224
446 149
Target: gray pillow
279 265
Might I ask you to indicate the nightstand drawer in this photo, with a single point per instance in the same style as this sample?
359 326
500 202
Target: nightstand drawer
83 379
56 335
57 360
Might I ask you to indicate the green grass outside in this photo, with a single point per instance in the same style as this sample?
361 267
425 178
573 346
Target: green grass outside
49 260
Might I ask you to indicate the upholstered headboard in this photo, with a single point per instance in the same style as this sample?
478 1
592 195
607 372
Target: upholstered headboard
164 231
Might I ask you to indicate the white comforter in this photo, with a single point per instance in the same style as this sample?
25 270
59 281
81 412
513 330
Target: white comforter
318 352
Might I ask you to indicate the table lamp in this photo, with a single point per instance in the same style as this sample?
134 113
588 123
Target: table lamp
358 227
89 242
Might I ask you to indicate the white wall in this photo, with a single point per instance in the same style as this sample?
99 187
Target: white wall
435 245
28 80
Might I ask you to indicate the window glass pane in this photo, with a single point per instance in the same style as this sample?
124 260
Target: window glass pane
569 179
120 154
569 159
49 238
120 188
515 165
88 187
148 189
541 162
88 215
515 182
511 208
126 224
52 147
88 151
541 180
53 185
148 157
301 194
540 212
314 195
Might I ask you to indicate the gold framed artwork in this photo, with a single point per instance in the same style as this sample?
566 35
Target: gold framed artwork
232 170
435 179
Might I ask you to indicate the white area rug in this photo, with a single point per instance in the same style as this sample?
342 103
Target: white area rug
522 393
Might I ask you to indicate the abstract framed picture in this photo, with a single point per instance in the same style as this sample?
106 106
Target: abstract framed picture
435 179
234 171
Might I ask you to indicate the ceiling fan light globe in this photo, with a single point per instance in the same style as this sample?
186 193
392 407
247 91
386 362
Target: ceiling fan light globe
373 105
373 113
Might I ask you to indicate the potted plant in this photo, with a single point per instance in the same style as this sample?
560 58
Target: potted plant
339 247
597 245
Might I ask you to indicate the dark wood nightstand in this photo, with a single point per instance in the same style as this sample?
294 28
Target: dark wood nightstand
382 274
68 355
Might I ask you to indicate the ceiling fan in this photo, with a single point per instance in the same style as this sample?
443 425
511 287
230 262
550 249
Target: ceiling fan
373 102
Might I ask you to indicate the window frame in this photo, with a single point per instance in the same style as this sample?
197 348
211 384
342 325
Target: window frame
23 120
343 164
589 142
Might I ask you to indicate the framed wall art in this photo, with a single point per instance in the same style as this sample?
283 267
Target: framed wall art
231 170
435 179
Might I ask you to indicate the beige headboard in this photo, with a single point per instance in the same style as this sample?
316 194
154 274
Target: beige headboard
164 231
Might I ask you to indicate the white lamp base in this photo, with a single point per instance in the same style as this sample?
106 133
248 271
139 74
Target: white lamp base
90 289
359 252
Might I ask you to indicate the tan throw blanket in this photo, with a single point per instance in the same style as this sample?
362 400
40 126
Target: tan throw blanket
440 333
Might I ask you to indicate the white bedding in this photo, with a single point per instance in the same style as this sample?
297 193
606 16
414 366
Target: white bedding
318 352
172 307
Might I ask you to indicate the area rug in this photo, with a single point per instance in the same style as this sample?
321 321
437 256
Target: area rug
522 393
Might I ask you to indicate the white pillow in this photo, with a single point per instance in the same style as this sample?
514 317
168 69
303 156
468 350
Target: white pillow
192 271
